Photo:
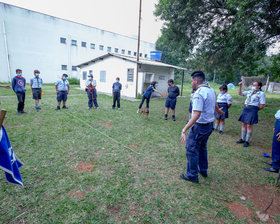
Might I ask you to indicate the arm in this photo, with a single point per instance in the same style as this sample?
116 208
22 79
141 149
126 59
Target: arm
13 84
155 90
218 110
229 105
278 135
31 83
7 87
68 89
113 91
240 93
261 106
196 115
56 88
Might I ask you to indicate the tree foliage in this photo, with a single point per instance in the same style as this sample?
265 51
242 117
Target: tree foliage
223 36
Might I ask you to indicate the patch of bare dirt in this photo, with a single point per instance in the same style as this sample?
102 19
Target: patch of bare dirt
84 167
134 147
107 124
75 193
240 211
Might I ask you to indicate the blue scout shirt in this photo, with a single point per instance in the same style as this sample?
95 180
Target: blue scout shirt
62 85
224 98
36 83
92 82
18 84
117 87
204 100
254 99
149 91
277 115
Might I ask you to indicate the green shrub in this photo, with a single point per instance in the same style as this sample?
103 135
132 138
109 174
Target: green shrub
74 81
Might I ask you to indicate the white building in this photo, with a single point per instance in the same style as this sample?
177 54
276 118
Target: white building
106 68
30 40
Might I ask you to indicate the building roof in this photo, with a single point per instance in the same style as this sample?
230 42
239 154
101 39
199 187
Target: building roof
132 59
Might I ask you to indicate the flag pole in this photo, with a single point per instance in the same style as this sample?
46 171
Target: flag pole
138 47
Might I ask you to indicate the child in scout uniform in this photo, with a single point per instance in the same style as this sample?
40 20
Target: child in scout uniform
18 85
36 87
254 102
173 92
116 93
224 101
275 156
62 88
91 91
147 95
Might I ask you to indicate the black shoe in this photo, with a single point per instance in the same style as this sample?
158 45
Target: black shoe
165 117
23 112
246 144
220 132
240 141
203 174
64 107
269 163
57 108
270 169
173 118
183 176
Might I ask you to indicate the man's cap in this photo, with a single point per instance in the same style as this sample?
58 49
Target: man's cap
65 75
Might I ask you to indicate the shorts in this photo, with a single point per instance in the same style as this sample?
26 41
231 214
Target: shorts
37 93
249 115
170 102
62 96
224 107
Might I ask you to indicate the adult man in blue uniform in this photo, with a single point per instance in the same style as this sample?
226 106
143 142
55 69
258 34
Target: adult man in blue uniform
200 125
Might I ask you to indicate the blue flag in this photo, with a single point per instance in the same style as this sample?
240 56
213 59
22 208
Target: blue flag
8 161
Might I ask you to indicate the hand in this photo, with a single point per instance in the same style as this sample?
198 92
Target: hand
278 135
273 129
183 137
220 112
240 84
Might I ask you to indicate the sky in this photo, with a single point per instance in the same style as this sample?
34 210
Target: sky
118 16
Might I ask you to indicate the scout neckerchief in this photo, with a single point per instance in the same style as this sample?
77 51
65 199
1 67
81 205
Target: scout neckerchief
249 98
37 81
205 84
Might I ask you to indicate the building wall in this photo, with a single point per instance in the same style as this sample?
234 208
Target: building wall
33 42
117 67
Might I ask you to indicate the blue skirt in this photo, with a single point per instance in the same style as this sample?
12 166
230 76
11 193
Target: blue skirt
249 115
224 107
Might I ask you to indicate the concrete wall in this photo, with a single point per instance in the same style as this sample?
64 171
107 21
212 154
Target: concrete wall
273 87
33 42
117 67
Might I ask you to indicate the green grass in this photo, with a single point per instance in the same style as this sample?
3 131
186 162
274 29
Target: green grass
136 163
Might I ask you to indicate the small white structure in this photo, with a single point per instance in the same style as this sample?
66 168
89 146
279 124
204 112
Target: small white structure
230 86
106 68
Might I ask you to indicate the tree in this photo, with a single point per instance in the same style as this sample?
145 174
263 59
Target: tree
226 36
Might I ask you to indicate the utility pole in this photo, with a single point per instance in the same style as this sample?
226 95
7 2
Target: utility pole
138 48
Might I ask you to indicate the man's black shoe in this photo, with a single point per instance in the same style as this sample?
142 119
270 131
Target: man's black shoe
220 132
269 163
57 108
240 141
64 107
246 144
183 176
173 118
23 112
203 174
165 117
270 169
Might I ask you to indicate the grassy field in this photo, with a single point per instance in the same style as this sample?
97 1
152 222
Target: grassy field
109 166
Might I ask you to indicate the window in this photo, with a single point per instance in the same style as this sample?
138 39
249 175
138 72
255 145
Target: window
135 54
109 49
92 46
129 52
102 76
146 55
123 51
85 75
62 40
140 55
84 44
63 67
74 68
116 50
101 47
74 43
130 73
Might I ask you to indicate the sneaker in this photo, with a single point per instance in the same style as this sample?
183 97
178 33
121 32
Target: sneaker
57 108
173 118
240 141
270 169
165 117
184 176
138 111
97 108
119 108
64 107
246 144
220 132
